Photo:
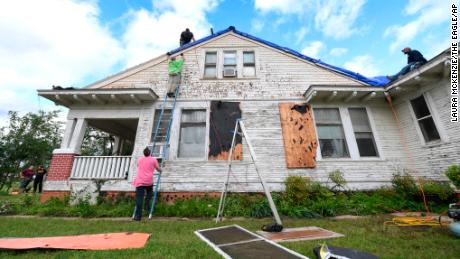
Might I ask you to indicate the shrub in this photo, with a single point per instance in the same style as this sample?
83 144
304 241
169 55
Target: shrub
338 180
453 173
439 190
404 184
302 191
298 189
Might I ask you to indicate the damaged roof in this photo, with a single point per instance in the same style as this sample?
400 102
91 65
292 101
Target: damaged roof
376 81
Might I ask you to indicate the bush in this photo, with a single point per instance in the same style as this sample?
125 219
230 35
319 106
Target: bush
453 173
438 190
338 180
298 189
404 184
302 191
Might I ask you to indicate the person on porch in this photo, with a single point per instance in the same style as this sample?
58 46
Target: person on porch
143 182
415 59
174 71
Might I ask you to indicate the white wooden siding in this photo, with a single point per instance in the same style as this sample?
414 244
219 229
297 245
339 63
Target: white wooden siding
280 78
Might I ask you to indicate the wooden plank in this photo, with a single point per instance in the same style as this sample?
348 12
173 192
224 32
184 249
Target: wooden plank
299 135
223 119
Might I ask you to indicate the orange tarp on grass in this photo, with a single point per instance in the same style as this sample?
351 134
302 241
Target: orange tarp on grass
82 242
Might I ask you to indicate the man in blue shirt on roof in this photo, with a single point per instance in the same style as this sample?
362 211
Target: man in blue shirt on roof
415 59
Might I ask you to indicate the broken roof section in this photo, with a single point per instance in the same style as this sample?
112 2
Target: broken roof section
370 81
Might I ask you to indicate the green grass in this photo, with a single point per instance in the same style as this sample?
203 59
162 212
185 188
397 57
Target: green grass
175 239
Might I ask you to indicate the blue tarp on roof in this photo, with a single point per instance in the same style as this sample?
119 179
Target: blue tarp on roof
375 81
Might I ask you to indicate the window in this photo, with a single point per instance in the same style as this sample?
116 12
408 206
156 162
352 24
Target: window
424 119
229 63
249 63
330 133
363 132
192 134
210 64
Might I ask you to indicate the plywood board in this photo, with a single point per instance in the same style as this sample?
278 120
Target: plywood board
299 135
222 124
106 241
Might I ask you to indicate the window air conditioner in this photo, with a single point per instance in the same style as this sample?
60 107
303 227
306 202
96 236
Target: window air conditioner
230 72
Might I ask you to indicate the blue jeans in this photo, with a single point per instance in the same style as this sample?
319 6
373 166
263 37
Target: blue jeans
142 191
409 67
24 183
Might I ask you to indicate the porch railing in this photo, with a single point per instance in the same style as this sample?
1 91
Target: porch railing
100 167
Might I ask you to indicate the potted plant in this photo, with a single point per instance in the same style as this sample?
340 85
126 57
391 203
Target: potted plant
453 173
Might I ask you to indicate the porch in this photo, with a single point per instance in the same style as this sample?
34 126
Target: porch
123 117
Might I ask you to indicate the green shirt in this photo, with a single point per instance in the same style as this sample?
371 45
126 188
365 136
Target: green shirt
175 66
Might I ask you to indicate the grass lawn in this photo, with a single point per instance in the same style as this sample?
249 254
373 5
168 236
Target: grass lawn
175 239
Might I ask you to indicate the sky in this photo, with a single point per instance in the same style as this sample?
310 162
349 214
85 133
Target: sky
77 42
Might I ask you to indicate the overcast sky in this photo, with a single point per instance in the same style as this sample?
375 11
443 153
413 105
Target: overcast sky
74 43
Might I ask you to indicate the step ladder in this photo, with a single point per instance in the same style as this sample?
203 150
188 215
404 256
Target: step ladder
220 212
160 142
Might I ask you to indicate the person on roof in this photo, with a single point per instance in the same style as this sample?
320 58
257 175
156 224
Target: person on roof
186 36
415 59
174 71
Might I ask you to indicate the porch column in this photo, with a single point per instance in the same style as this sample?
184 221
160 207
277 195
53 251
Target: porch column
116 145
62 161
78 134
143 134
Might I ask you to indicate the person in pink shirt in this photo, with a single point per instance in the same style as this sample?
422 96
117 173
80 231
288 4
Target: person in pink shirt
144 182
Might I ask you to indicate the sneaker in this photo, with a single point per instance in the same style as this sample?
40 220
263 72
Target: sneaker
136 219
171 95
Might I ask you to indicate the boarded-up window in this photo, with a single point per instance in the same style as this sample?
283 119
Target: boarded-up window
222 124
299 135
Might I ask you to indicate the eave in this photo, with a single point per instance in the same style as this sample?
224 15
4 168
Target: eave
344 93
80 97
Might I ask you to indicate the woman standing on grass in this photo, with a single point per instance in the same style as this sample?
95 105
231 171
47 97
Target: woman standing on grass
144 182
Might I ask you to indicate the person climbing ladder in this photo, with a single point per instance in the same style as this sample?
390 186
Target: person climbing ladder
174 71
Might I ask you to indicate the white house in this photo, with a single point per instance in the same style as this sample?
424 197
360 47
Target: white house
303 116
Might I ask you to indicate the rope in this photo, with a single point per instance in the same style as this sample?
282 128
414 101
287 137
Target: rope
407 151
415 222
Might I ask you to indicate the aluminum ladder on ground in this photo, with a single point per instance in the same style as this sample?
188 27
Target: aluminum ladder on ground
163 154
220 212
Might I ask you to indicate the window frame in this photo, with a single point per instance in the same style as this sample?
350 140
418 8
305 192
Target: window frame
250 64
234 65
434 117
347 145
372 132
239 64
215 65
176 127
349 134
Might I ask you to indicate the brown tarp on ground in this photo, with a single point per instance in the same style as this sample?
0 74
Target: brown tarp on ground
299 135
107 241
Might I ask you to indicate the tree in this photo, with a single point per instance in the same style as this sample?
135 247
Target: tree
97 143
27 140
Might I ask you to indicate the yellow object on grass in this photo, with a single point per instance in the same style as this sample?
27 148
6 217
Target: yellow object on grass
414 221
